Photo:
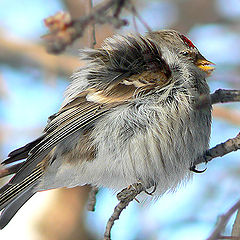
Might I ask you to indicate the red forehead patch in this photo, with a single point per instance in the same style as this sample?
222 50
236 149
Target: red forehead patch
187 41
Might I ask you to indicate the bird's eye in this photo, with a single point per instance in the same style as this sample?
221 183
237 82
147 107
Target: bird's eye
185 53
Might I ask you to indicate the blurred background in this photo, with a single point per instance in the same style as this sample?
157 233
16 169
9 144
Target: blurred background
32 83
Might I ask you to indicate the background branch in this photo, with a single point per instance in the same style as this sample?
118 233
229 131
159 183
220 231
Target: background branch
230 115
64 30
19 53
236 226
223 219
92 199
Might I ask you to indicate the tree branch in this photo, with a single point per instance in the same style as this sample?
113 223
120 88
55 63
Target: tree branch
18 53
219 96
223 219
64 30
125 197
92 199
236 226
232 144
229 115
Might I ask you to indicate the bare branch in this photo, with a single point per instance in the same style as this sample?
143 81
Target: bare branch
91 28
119 6
125 197
64 30
219 96
223 219
10 170
137 15
92 199
229 115
19 53
232 144
236 226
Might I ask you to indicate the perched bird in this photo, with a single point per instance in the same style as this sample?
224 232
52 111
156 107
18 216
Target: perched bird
128 116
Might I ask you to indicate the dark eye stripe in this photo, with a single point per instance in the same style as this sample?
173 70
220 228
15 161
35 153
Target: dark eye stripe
187 41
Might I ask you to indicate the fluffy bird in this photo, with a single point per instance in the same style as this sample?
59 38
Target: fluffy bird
128 116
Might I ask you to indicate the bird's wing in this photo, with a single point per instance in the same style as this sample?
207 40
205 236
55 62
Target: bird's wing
76 116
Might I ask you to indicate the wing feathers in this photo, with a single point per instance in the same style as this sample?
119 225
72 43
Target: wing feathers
9 191
22 152
64 130
12 207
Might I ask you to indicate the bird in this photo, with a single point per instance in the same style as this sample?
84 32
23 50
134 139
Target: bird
128 116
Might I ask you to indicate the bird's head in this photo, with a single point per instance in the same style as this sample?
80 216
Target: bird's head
183 47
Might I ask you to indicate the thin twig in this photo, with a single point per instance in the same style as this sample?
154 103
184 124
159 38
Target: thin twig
10 170
119 8
135 23
125 197
232 144
64 30
92 199
138 16
229 237
219 96
92 42
236 226
91 27
223 219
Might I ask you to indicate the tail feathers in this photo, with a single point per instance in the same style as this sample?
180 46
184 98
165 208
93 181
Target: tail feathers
13 206
22 153
13 196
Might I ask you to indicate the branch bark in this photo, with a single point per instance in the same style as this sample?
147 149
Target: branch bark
236 226
223 220
219 96
232 144
124 197
64 30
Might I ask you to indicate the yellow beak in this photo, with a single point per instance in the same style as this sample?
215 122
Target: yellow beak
203 64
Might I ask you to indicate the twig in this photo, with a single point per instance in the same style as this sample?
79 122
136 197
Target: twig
64 30
92 199
232 144
223 219
119 8
91 28
135 13
125 197
219 96
236 226
20 53
10 170
135 23
229 237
